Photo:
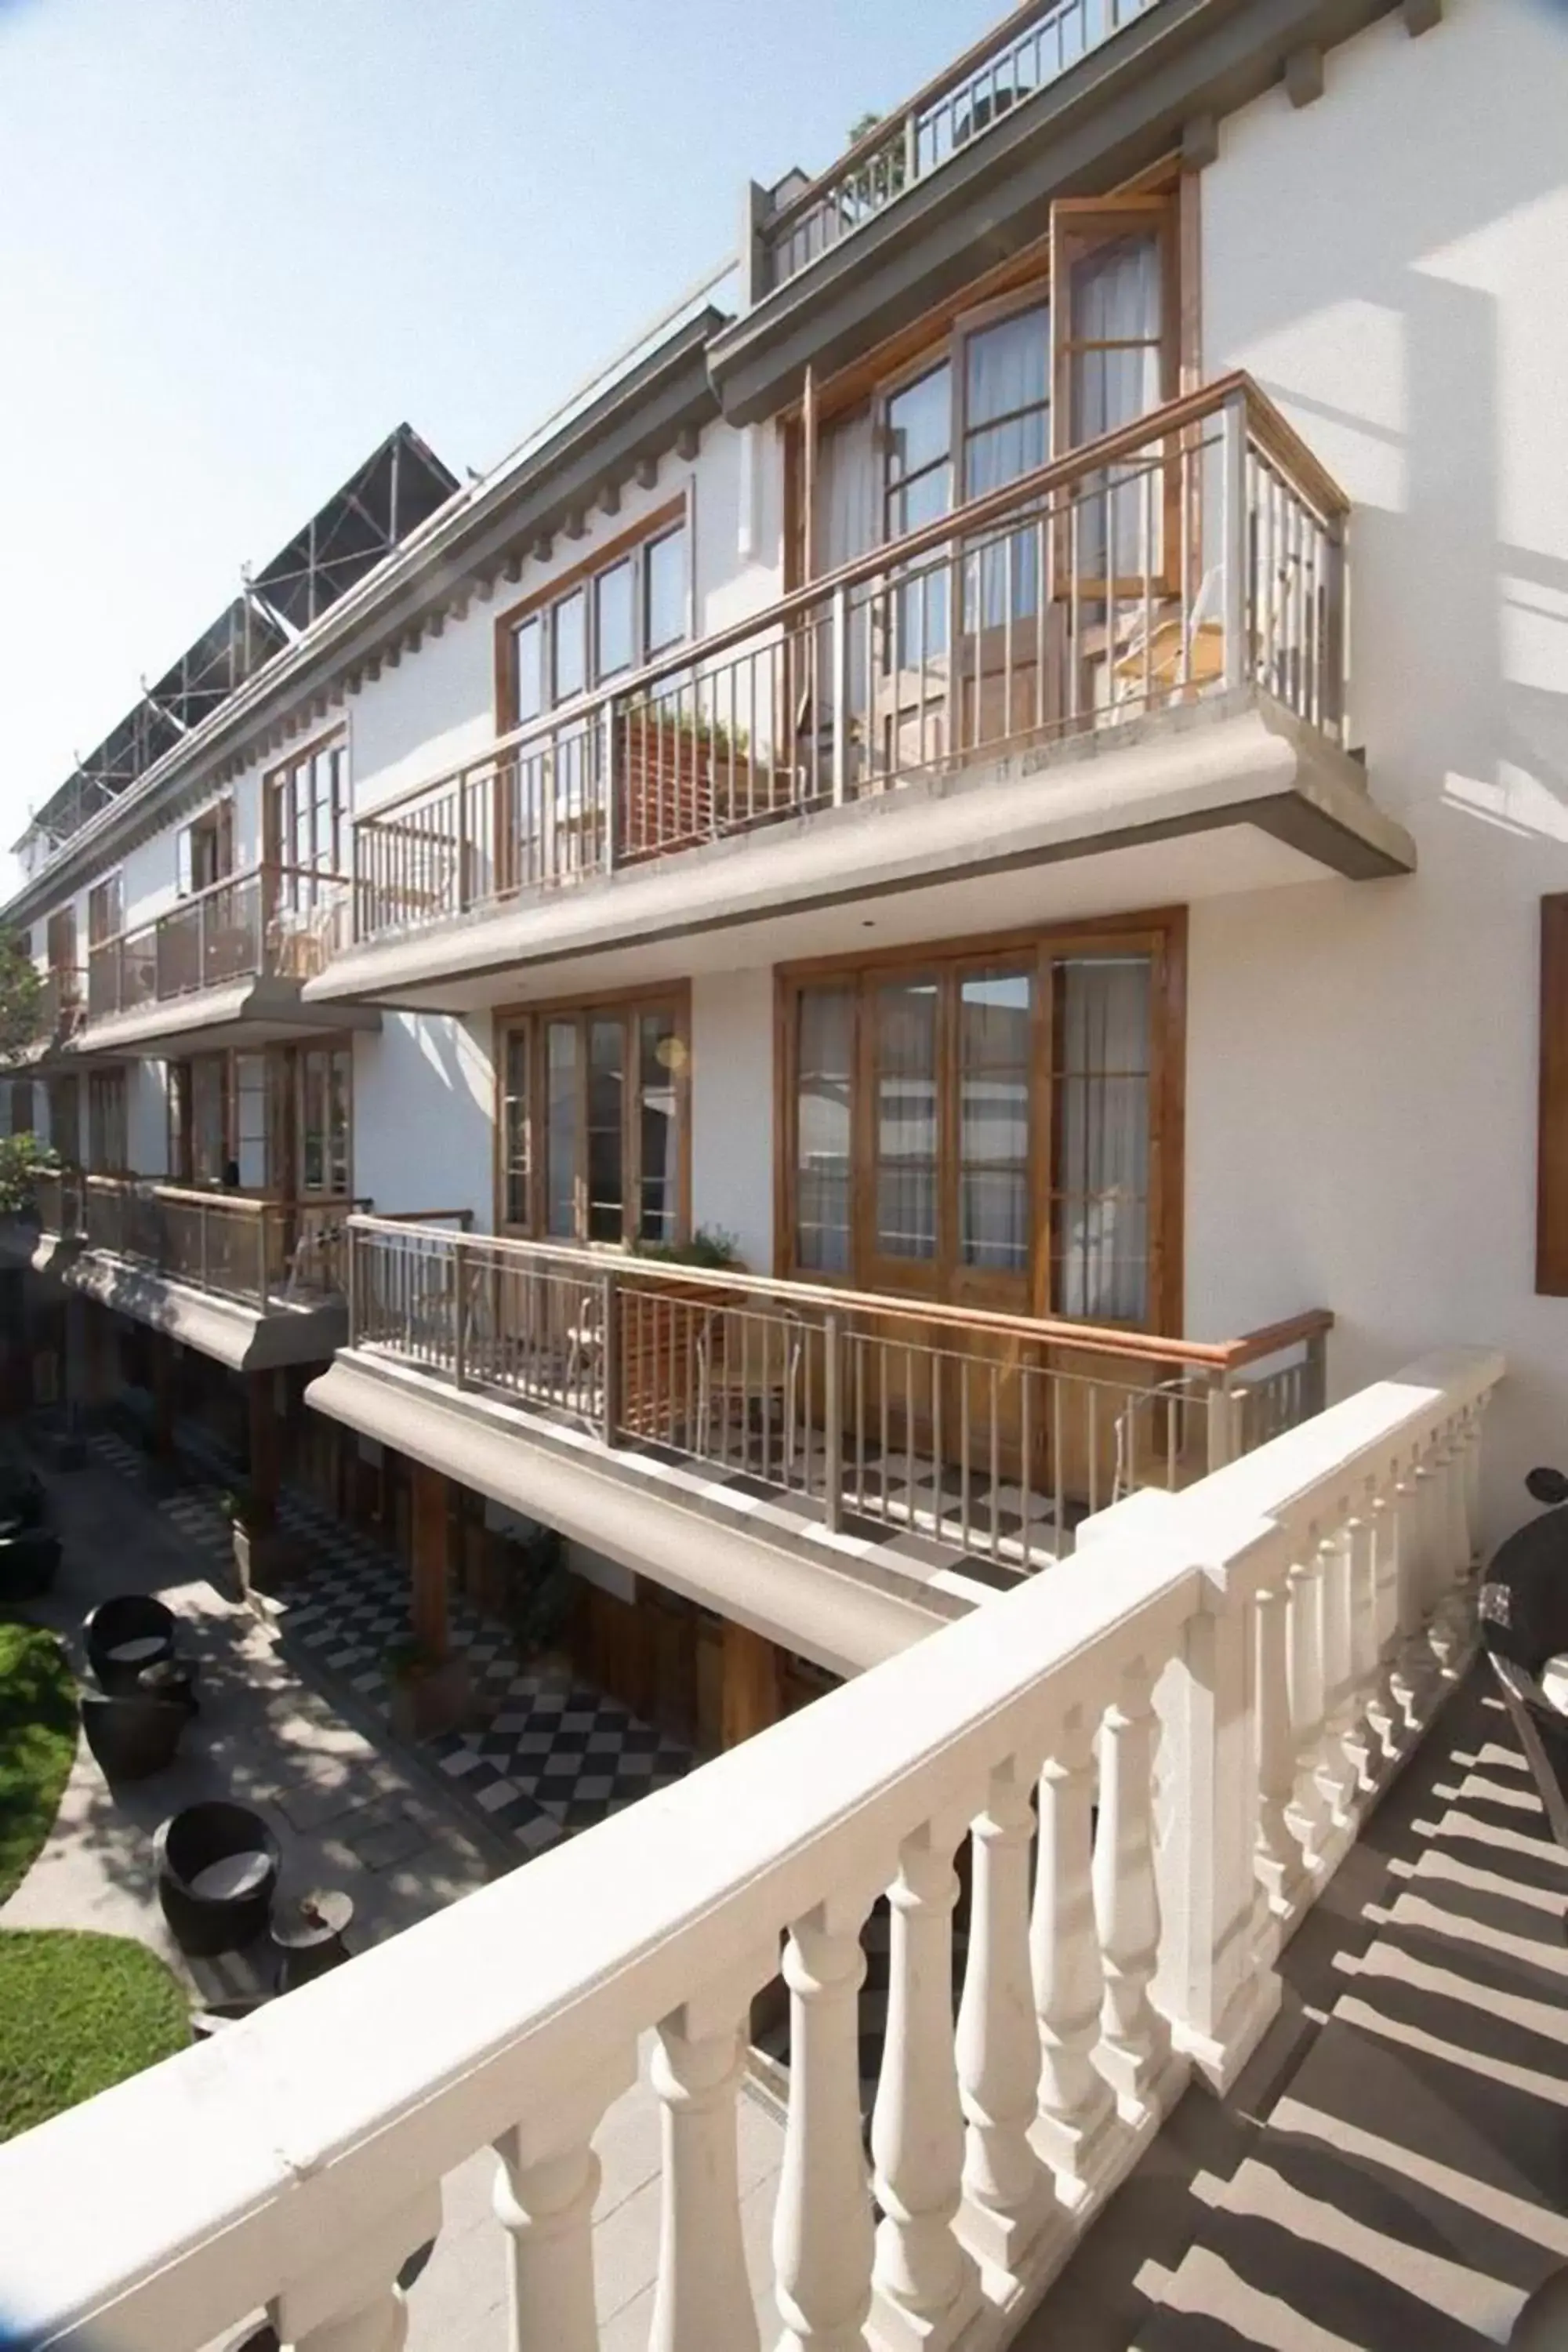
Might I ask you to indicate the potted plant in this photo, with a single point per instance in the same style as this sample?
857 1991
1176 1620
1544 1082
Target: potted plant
670 1331
680 778
541 1592
430 1693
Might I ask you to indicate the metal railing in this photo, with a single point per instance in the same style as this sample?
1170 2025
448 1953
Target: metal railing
1195 552
273 918
1028 51
262 1251
993 1434
57 1202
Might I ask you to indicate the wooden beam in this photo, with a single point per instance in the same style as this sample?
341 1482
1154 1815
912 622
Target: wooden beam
1200 142
1421 16
646 473
688 441
1304 74
431 1523
749 1699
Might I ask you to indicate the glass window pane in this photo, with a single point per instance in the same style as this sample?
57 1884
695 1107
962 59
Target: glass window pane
206 1119
313 1123
664 591
1100 1182
613 619
560 1131
571 618
516 1132
250 1120
1007 367
607 1129
658 1060
340 1084
906 1112
919 423
993 1121
823 1103
527 668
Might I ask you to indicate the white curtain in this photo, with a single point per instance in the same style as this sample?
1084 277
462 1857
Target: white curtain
1006 433
1116 300
1102 1176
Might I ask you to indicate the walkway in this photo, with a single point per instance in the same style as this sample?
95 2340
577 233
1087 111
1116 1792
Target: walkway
1391 2169
348 1812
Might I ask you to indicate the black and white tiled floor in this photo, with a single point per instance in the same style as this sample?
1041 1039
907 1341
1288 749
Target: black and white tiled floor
551 1755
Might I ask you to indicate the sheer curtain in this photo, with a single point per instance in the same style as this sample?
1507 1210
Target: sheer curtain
994 1120
1103 1012
1115 379
1007 394
845 504
822 1127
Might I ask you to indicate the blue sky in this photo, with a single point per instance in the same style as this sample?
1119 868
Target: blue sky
240 240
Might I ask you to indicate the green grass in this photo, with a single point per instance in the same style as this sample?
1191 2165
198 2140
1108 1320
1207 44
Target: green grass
37 1741
77 2013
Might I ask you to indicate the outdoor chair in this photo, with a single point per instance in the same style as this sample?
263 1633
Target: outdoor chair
217 1866
131 1734
124 1635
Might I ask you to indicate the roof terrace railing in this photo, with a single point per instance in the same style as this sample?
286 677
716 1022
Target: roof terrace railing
1028 51
1195 551
272 919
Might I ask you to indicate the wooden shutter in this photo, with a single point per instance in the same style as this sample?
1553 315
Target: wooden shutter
184 862
1552 1131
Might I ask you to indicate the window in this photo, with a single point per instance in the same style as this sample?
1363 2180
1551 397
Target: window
325 1098
305 825
105 910
601 622
62 940
204 850
591 1115
21 1106
987 1124
108 1153
65 1120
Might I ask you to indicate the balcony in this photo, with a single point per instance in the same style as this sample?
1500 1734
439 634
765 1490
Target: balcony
1130 649
1028 52
871 1461
57 1016
1149 1764
254 1282
230 958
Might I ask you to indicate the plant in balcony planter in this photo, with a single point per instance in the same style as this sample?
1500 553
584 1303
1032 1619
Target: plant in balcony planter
671 1332
681 777
429 1694
540 1591
22 1160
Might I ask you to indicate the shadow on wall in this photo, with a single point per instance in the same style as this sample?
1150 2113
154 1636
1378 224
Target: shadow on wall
424 1113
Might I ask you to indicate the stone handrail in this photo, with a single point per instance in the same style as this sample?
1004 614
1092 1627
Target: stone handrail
1279 1632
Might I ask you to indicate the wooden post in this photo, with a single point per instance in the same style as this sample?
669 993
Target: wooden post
262 1446
162 1395
431 1527
751 1684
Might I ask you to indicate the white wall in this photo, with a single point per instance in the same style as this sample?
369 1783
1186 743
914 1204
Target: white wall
422 1115
1389 263
732 1108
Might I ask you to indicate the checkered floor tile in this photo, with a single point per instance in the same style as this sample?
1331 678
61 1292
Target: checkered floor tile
550 1754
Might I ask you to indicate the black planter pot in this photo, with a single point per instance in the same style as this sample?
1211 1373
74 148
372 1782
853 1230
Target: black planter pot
124 1636
208 1918
29 1563
134 1734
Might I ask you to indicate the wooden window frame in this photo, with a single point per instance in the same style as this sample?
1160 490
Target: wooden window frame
676 513
1551 1113
300 1056
111 1084
216 818
673 998
99 932
1162 934
279 845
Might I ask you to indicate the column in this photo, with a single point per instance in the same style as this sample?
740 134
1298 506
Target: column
262 1446
431 1527
162 1352
749 1699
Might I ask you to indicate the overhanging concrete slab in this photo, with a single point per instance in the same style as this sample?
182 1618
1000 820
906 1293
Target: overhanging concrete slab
246 1339
1229 763
253 1011
844 1618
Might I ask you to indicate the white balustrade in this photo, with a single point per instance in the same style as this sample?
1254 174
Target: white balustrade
925 2283
1171 1676
1007 2188
821 2230
1076 2106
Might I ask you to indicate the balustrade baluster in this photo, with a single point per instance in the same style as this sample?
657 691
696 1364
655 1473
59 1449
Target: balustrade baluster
822 2224
1076 2105
926 2285
703 2295
1007 2189
1309 1811
1279 1854
1337 1774
1358 1737
1409 1670
353 2303
1134 2041
544 2192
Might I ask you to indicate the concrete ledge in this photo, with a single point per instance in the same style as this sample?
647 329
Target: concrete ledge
246 1339
246 1011
1235 759
844 1618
